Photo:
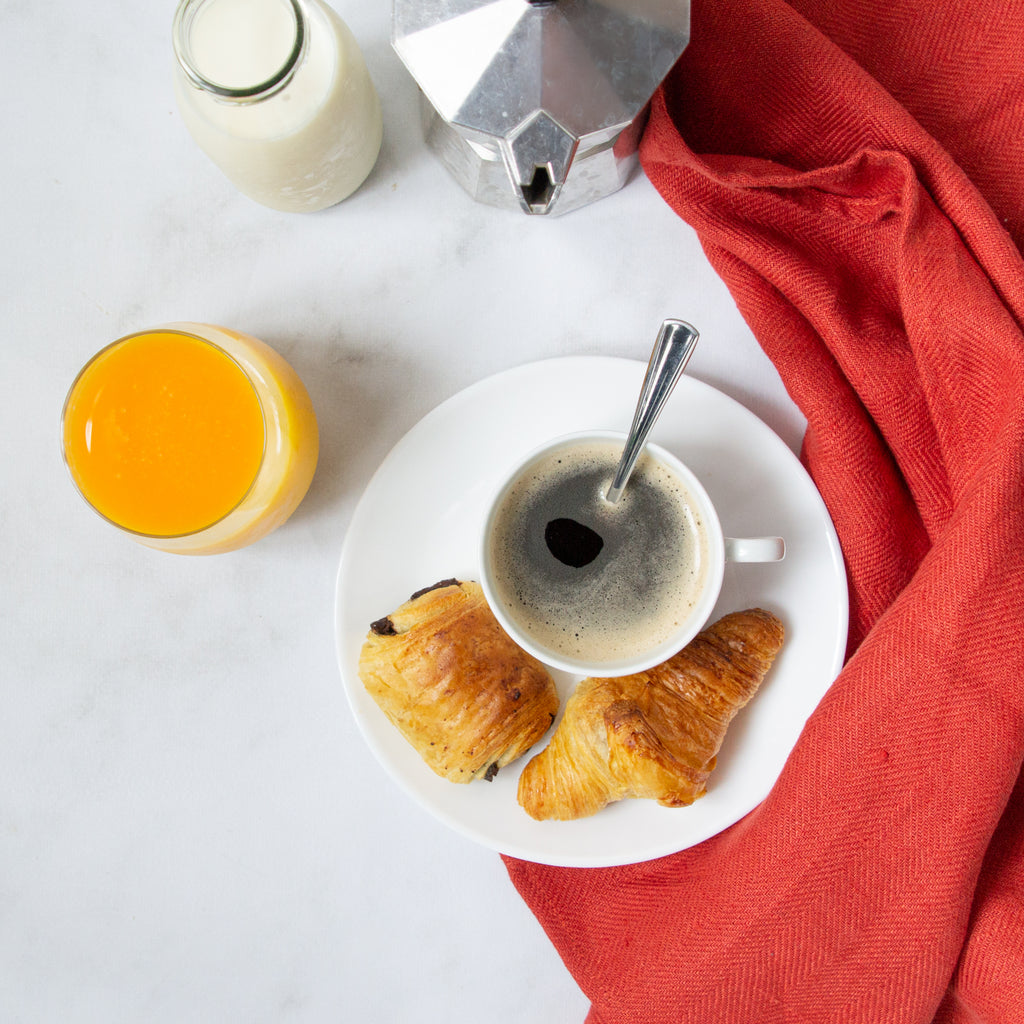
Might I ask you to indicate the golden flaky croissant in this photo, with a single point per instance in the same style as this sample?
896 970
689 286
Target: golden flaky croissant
458 689
655 734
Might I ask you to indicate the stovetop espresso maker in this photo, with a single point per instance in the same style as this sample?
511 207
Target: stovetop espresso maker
538 105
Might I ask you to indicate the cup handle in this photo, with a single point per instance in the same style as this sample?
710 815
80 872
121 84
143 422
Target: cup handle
754 549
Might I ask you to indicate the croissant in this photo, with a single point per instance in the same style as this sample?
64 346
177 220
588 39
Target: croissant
454 684
655 734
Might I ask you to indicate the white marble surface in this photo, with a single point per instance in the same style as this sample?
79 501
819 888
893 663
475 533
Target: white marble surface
191 828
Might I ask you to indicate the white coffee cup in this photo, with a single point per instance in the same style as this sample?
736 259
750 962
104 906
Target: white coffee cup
598 589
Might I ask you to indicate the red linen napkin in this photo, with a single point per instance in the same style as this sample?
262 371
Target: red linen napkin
853 170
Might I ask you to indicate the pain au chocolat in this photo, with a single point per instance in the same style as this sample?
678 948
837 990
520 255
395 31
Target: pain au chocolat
655 734
454 684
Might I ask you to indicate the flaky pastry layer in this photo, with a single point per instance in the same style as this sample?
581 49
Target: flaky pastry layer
655 734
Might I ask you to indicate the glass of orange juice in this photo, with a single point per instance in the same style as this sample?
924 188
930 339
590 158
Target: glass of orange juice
192 438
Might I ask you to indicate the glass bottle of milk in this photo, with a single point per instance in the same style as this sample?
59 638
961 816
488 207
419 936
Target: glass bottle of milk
277 94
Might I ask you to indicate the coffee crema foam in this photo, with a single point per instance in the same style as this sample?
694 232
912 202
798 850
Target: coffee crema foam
644 581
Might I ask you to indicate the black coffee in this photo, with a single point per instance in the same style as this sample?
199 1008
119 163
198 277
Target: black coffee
592 580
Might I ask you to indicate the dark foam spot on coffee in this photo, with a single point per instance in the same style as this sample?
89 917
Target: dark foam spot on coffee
572 543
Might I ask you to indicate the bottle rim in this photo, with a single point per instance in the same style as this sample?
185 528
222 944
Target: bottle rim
181 29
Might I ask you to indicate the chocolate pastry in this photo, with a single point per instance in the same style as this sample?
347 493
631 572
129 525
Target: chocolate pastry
455 685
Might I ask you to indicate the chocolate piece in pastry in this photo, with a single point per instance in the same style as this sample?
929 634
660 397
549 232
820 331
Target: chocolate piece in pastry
654 734
455 685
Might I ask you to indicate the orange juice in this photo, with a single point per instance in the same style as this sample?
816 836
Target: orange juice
193 438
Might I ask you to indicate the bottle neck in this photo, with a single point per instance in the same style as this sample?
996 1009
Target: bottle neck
239 51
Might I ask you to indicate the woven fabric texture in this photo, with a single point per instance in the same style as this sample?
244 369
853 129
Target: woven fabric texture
855 172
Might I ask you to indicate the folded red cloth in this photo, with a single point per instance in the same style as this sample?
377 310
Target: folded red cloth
855 173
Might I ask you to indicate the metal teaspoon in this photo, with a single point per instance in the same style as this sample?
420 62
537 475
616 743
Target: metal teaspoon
672 350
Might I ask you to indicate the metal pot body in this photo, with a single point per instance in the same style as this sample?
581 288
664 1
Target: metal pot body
538 106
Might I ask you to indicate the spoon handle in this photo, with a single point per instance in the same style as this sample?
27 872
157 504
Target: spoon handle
672 350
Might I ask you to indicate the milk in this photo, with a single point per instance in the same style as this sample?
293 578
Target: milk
295 129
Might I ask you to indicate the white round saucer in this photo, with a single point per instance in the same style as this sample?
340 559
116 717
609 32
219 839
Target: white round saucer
418 522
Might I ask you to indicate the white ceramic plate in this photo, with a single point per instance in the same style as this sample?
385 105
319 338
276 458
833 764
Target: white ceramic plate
418 522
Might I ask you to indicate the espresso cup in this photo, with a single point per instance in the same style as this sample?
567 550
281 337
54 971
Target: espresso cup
602 589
